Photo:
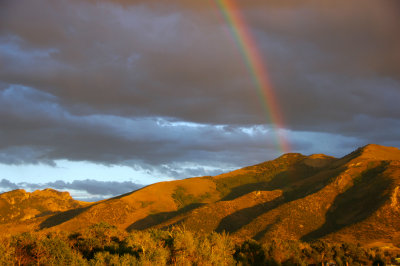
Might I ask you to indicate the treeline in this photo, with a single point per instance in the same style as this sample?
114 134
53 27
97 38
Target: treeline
102 244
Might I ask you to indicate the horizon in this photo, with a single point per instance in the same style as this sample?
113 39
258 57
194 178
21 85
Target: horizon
74 193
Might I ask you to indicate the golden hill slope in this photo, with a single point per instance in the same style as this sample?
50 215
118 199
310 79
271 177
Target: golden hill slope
354 198
19 205
161 201
21 210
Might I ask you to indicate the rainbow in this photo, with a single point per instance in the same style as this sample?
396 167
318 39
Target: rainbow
256 67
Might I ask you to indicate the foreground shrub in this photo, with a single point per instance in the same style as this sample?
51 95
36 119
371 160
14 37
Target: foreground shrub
7 253
148 246
29 249
54 251
102 244
215 249
250 253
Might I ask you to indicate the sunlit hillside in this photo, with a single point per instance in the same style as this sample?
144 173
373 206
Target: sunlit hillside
294 197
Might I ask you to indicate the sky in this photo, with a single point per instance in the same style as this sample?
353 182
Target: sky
103 97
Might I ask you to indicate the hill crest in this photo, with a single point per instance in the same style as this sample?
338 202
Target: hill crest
19 205
355 197
377 152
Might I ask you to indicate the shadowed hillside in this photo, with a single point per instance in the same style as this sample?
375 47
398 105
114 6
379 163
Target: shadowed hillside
354 198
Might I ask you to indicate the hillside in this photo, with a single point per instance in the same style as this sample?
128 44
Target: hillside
21 210
353 199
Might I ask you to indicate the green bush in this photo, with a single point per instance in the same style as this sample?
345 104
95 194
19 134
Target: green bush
54 251
149 246
250 253
7 253
102 244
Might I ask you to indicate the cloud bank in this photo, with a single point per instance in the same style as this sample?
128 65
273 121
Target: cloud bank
164 88
88 190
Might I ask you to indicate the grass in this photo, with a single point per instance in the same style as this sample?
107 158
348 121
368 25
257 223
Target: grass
183 199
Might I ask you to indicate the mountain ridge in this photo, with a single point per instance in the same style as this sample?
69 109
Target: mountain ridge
353 198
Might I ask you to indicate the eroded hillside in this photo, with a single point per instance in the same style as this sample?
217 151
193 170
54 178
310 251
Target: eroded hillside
354 198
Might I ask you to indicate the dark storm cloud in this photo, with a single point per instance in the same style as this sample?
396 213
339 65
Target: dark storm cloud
133 60
342 62
89 186
37 129
164 87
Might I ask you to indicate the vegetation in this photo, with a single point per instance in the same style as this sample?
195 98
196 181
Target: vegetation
183 199
103 244
310 198
259 176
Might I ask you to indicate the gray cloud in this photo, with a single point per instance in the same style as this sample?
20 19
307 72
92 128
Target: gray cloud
4 183
91 188
96 187
40 130
164 87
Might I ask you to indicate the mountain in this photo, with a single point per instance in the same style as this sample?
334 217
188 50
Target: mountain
20 210
351 199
